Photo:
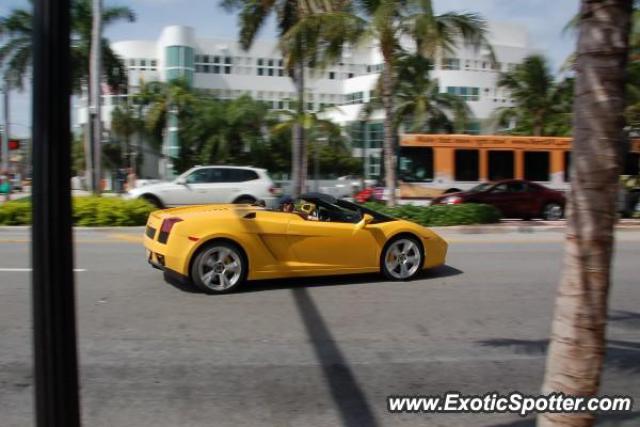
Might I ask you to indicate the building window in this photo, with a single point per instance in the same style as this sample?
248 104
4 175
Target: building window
467 166
132 62
451 64
354 98
536 165
375 134
350 75
415 164
332 75
467 93
270 67
500 165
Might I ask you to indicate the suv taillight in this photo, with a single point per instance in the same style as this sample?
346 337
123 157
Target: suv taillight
165 229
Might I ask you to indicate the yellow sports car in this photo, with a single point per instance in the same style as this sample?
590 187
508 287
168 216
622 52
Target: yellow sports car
218 247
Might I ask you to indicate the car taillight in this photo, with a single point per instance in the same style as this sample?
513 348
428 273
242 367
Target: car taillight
273 190
165 228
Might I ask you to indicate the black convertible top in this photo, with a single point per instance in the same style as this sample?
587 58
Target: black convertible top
328 200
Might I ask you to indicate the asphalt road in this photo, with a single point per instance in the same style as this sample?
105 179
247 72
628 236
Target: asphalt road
313 352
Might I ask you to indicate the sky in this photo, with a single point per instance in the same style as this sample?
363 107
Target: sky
544 20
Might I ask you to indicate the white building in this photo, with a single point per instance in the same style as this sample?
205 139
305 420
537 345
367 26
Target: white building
221 67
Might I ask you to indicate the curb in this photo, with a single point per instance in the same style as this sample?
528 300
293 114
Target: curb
136 228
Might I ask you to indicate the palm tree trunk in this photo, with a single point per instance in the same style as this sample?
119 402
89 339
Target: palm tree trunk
577 344
389 137
297 149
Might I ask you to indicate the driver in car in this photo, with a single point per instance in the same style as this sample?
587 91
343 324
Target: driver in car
309 211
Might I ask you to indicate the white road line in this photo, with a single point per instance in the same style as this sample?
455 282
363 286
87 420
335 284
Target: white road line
22 270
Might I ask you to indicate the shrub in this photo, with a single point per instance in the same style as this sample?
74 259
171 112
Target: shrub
441 215
87 211
15 213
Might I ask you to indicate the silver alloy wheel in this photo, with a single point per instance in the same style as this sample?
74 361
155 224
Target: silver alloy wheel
402 259
552 212
220 268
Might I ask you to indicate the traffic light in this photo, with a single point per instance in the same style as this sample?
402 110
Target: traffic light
14 144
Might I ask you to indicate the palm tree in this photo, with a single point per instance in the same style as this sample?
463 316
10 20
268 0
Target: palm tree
252 16
386 22
577 345
157 99
16 53
538 98
419 104
126 122
313 124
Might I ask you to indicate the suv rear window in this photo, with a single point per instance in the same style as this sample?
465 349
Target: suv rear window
239 175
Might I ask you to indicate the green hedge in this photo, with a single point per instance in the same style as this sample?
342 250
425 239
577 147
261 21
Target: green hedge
87 211
441 215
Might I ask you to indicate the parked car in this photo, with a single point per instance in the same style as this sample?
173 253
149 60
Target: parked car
210 184
514 198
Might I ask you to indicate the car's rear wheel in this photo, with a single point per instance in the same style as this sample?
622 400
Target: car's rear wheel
244 200
153 200
218 268
402 258
552 211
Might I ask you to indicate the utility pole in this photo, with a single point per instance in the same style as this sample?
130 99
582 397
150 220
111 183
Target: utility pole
53 291
95 74
7 134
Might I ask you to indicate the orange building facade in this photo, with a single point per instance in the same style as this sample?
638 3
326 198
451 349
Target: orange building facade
432 164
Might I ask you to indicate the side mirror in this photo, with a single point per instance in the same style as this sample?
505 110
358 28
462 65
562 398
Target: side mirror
366 219
181 181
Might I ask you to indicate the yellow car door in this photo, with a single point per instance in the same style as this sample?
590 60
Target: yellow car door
333 245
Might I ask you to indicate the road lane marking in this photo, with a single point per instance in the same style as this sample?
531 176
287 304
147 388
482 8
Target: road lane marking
127 237
24 270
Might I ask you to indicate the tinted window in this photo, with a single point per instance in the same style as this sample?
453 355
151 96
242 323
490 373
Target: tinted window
500 165
239 175
200 176
415 164
467 166
631 161
517 187
500 188
536 165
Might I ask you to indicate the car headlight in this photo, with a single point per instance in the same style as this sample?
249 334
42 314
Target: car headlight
453 200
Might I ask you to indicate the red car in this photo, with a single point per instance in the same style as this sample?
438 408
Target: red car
514 198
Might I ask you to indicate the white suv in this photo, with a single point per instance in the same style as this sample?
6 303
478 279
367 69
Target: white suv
210 184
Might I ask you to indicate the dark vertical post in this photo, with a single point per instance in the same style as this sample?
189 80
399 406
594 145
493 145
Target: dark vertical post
54 329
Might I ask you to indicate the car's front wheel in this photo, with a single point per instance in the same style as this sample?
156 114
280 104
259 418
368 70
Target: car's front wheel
219 267
402 258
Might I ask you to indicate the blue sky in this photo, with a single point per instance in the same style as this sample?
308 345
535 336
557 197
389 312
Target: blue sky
543 19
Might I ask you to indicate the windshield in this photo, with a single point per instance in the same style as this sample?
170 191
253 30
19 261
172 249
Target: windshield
480 187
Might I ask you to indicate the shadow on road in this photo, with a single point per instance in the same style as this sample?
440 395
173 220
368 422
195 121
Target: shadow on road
620 355
346 393
603 420
312 282
352 279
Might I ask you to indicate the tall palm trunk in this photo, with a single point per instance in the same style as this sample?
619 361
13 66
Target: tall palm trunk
297 149
577 345
389 136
